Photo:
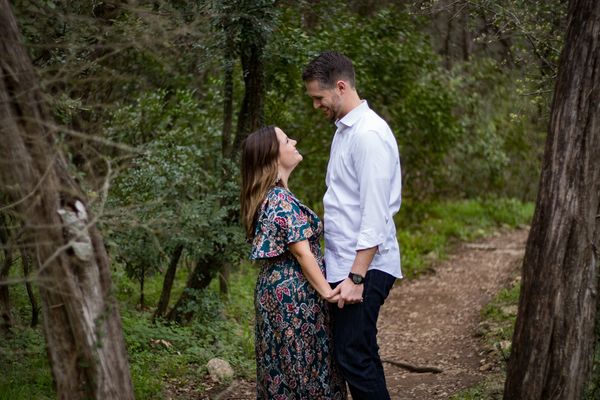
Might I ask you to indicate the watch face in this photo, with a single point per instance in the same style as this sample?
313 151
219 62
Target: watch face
357 279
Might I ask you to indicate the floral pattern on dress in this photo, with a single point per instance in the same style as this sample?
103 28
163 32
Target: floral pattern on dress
294 354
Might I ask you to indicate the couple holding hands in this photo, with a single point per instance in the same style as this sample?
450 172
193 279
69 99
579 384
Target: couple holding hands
305 347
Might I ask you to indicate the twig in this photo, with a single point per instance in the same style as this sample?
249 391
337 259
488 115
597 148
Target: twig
476 246
414 368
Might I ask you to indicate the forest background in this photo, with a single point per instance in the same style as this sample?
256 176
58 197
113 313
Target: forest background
152 101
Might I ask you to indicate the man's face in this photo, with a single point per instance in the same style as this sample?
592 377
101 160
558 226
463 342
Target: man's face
328 100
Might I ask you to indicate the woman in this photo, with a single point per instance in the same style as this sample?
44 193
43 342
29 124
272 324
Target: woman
294 357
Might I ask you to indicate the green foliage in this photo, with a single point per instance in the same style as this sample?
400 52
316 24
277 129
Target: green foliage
173 192
500 315
490 388
27 373
504 148
470 132
397 72
593 388
160 353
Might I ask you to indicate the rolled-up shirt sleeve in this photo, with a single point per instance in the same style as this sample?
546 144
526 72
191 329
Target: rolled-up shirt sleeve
374 163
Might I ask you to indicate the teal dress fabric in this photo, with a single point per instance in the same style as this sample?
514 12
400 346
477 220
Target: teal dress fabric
294 355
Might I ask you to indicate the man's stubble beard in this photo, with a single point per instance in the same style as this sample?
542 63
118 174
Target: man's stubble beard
335 109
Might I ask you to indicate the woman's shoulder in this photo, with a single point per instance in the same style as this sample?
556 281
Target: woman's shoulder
278 194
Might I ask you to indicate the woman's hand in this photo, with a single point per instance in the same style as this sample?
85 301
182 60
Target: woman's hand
331 296
312 272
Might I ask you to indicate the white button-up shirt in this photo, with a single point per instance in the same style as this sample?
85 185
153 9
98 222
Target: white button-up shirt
363 194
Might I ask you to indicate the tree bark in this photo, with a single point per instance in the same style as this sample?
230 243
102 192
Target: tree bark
224 276
466 33
165 294
251 115
226 149
142 279
229 59
201 276
81 321
35 309
5 315
553 343
447 49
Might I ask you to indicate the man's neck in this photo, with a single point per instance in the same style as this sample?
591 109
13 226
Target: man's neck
353 101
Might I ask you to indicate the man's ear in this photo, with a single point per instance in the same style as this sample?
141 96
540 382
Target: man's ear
342 86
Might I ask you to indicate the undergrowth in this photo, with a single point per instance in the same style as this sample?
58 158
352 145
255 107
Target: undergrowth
427 231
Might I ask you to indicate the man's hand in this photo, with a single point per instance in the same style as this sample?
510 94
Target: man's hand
332 296
348 292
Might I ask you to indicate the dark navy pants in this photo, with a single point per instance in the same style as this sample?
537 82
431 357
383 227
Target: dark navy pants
355 339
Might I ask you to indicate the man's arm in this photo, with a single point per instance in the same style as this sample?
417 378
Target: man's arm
348 291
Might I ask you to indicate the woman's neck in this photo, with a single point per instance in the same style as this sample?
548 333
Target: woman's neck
283 178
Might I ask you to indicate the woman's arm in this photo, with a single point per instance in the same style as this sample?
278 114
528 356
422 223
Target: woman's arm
311 270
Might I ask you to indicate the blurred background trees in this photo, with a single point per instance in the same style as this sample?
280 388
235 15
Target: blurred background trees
153 99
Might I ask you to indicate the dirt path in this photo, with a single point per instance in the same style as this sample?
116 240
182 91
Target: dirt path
432 321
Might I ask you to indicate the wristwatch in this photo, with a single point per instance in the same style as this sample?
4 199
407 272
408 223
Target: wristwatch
356 278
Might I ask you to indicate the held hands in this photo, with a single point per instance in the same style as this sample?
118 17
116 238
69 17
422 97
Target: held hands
331 297
346 293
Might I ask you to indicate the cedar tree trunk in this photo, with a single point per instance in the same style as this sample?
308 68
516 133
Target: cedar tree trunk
81 321
553 343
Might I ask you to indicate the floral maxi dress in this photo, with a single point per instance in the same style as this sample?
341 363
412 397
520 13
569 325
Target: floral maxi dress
294 355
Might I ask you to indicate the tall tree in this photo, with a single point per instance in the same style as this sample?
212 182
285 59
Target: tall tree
81 321
5 265
553 341
256 20
246 27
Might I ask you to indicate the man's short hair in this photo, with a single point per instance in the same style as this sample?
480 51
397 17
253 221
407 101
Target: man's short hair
328 68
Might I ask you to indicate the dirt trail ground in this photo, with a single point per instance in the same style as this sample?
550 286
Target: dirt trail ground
432 321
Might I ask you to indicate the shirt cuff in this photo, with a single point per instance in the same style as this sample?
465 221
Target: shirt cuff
370 238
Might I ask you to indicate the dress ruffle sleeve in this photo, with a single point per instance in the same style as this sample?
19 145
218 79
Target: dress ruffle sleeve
280 222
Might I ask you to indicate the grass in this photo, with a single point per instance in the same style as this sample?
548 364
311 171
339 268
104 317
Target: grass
426 232
163 357
160 355
26 372
496 330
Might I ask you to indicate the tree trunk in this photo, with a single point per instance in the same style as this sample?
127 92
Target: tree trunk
466 33
228 89
35 309
5 315
251 114
224 276
142 279
447 49
81 321
165 295
203 273
226 174
553 343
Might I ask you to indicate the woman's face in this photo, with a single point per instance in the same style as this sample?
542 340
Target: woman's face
289 157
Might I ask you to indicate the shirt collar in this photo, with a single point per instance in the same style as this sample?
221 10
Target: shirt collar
353 116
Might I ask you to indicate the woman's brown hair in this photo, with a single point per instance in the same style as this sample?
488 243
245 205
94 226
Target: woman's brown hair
260 152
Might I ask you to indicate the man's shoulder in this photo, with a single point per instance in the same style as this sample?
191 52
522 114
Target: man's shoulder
372 126
371 121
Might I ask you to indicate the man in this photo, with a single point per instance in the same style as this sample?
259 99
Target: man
362 255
